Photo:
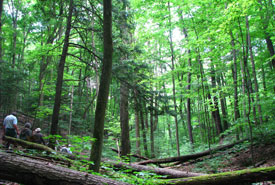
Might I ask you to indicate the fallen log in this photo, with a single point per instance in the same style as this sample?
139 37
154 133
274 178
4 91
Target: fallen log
134 155
185 158
169 173
28 144
235 177
29 171
57 156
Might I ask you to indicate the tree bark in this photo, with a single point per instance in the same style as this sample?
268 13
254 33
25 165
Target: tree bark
144 138
105 81
254 72
185 158
29 171
59 82
173 80
124 89
235 78
189 125
236 177
137 129
124 120
1 10
215 112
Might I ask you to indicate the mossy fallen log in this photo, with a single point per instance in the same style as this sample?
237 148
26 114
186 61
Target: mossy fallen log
235 177
57 156
169 173
28 144
185 158
29 171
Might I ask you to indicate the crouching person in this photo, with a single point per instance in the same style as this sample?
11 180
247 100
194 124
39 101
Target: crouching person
26 132
38 137
66 150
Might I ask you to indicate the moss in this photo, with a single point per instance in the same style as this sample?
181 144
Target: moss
218 177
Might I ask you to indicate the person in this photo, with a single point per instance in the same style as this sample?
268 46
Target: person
10 127
26 132
38 137
66 150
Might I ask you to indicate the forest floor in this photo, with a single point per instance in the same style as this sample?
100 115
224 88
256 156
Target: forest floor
236 158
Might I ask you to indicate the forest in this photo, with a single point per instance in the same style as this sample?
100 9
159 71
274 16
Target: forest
142 91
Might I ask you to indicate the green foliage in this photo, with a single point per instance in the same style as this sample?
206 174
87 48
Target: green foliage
201 32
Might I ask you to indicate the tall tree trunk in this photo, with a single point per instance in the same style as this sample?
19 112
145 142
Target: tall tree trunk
223 105
204 100
263 77
1 35
152 127
254 72
144 138
215 112
59 82
235 79
124 120
105 80
173 80
124 89
14 38
71 110
189 125
243 73
137 123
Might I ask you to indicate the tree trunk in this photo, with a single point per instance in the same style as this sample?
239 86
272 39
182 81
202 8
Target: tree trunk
189 157
223 105
215 112
1 35
235 79
71 110
173 81
137 129
59 82
103 93
254 72
236 177
124 120
189 125
29 171
144 138
152 138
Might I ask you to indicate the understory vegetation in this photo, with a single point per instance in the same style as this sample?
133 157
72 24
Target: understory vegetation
155 79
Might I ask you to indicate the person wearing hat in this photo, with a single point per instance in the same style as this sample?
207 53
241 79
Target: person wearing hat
26 133
38 137
10 127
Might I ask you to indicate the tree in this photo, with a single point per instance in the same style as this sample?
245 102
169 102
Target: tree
60 72
103 93
124 88
1 10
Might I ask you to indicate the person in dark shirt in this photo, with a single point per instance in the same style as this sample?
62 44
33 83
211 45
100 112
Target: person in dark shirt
38 137
26 132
